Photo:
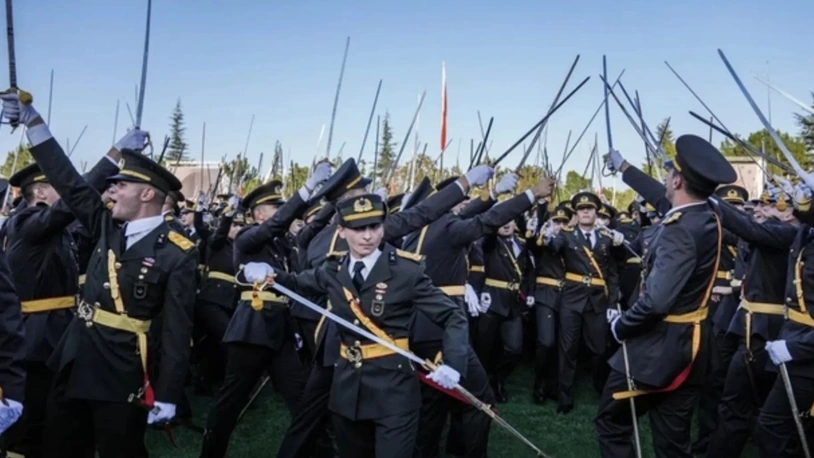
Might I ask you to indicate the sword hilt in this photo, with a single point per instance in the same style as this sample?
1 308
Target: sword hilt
24 97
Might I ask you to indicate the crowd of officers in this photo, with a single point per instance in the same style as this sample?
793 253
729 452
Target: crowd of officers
118 294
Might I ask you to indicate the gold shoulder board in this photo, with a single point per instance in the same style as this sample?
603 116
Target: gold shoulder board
410 256
181 241
337 254
568 229
168 218
673 218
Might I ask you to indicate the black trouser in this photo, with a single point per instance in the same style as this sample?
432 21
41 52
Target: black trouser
499 343
306 436
469 429
744 392
26 435
592 327
670 417
80 429
306 329
776 434
725 345
212 319
244 368
387 437
545 365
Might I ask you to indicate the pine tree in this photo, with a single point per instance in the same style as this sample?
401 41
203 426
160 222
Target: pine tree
177 150
806 123
25 159
386 151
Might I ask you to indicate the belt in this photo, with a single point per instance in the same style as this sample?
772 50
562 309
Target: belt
634 260
358 353
221 276
264 296
453 290
548 281
799 317
122 323
587 280
760 308
723 275
477 269
82 279
688 318
500 284
47 305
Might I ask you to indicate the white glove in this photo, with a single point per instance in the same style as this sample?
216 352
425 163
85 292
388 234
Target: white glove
550 230
485 302
161 413
133 140
234 202
613 328
320 175
614 160
785 185
14 111
257 271
808 178
722 290
445 376
802 197
507 183
9 414
618 237
472 302
612 314
530 301
382 192
479 175
203 202
778 351
298 342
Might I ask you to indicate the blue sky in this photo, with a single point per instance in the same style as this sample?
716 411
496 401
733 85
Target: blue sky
279 60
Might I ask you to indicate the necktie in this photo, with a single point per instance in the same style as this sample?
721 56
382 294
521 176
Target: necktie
588 237
358 279
124 238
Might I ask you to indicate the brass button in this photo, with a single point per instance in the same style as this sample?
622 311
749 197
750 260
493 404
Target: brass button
106 285
357 343
356 322
118 265
89 324
357 365
141 277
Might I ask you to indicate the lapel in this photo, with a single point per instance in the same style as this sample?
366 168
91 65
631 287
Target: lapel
115 241
344 276
598 240
381 269
144 247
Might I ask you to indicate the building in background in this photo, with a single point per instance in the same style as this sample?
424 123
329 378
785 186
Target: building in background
196 177
750 174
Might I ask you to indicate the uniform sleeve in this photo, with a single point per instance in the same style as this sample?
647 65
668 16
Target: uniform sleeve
12 339
310 230
613 273
256 237
441 310
648 187
200 227
218 239
675 260
769 233
311 282
430 209
476 206
176 331
83 200
465 231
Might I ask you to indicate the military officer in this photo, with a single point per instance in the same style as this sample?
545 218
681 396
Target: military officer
102 395
259 336
666 331
12 352
591 286
375 396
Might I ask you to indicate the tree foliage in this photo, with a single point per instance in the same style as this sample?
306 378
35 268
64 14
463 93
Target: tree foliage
806 122
24 151
386 150
177 150
763 140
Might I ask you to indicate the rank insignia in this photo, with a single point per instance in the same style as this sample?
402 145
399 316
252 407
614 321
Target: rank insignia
377 307
140 290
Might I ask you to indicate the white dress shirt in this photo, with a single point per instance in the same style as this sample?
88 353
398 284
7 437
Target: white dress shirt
592 233
138 229
369 261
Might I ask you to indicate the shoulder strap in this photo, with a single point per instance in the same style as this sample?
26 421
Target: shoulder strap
364 319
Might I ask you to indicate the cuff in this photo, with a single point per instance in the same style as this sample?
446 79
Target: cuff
613 328
529 194
39 134
459 185
304 194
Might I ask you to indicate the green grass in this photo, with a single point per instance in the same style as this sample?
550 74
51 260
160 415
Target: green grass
559 436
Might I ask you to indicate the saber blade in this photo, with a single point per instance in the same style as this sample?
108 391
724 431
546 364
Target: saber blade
140 105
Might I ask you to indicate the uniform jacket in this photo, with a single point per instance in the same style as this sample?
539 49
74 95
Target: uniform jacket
547 264
220 259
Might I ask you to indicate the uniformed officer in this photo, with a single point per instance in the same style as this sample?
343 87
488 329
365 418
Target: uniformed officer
591 286
548 278
41 253
102 391
260 336
666 331
309 424
12 352
375 396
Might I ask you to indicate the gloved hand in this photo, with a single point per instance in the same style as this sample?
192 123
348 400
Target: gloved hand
784 184
479 175
382 192
162 413
14 111
808 178
802 197
530 301
320 175
614 160
203 202
778 351
617 237
234 201
255 272
445 376
611 314
506 184
485 302
722 290
472 302
549 230
9 414
134 140
613 328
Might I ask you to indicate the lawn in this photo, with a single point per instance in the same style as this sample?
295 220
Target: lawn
559 436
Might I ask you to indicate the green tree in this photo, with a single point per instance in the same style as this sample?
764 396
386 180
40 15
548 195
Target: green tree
386 151
295 177
574 183
24 152
806 123
178 146
665 134
239 174
762 139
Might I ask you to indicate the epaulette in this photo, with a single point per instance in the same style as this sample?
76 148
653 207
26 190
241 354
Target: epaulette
520 241
568 229
673 218
181 241
409 255
336 254
169 217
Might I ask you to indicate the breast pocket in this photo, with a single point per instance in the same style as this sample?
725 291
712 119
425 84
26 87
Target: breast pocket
141 284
